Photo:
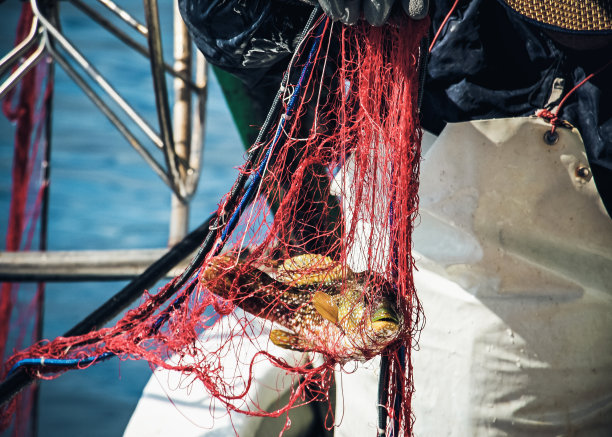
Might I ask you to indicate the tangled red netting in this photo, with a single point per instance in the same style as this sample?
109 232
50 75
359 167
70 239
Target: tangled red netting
320 261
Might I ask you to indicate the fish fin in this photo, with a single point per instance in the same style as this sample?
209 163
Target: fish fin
325 306
310 268
308 261
288 340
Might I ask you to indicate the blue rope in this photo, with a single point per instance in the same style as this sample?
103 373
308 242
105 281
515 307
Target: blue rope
58 362
246 199
174 305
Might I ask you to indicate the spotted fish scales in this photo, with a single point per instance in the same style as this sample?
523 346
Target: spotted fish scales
324 306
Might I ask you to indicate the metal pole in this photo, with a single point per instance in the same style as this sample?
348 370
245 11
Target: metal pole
78 265
198 124
20 49
126 39
161 95
44 214
141 28
112 116
23 69
181 117
96 76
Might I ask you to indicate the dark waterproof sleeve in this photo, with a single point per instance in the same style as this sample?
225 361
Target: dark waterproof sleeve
490 63
252 39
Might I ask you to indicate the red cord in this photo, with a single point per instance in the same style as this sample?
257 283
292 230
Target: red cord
553 117
435 38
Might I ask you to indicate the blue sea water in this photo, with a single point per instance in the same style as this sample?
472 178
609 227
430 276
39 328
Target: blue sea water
104 196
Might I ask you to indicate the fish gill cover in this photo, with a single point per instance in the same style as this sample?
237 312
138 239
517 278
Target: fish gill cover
322 255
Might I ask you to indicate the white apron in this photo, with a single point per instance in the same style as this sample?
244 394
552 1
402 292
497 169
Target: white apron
518 338
515 279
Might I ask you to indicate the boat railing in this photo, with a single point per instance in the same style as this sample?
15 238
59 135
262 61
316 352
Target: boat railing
172 146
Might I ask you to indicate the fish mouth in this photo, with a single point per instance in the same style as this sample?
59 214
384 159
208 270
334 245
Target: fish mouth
388 327
385 318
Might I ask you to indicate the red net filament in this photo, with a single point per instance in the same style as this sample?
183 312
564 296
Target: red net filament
322 258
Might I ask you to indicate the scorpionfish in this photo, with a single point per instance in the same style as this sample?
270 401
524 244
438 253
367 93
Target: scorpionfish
323 306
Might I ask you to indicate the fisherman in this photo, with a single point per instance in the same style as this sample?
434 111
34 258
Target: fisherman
518 338
515 239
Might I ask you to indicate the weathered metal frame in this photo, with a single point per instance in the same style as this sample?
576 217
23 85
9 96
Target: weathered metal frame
13 58
131 42
179 172
183 161
181 131
80 265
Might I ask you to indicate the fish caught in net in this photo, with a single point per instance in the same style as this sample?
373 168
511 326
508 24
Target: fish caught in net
323 307
318 249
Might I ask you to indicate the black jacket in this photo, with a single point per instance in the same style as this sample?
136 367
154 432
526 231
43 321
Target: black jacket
488 63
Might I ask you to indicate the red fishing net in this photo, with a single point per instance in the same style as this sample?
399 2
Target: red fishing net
320 262
26 106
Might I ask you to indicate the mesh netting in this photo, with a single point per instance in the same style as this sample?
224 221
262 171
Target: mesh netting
320 261
26 106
